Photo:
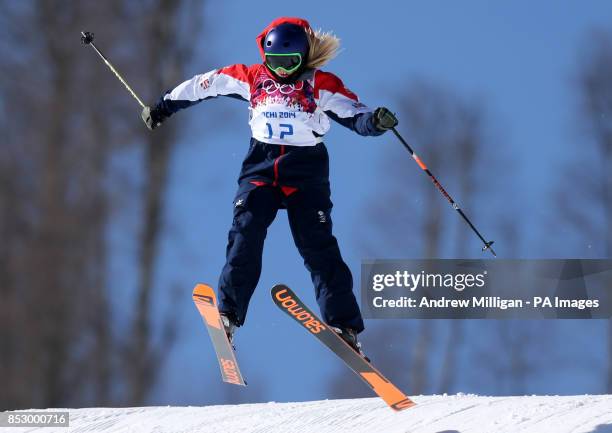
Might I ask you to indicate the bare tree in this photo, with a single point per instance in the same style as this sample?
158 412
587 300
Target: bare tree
64 117
169 34
448 133
588 214
53 266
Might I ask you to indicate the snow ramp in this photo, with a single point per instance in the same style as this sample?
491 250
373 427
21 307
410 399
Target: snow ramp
433 414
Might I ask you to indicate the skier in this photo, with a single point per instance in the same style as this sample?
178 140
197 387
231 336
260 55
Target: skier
287 167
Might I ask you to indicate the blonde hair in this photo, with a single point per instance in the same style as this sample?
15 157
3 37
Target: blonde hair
324 46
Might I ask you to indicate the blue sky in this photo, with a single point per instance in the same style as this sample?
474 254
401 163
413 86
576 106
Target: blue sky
519 58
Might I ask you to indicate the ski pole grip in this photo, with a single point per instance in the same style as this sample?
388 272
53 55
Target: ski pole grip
87 37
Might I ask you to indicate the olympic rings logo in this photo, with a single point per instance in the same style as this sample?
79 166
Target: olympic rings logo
271 86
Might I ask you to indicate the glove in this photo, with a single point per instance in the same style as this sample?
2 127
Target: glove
151 117
383 119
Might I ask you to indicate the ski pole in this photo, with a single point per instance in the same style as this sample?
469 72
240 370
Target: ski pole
87 39
487 245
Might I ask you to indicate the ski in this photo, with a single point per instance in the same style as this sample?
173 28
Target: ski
287 301
206 303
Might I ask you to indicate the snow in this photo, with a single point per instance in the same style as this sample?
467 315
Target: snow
433 414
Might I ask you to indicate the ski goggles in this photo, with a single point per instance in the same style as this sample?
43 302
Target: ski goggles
287 63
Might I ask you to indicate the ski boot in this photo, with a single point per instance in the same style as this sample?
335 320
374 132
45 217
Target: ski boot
229 323
350 337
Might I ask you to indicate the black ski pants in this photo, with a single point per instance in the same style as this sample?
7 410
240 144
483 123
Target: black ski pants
309 213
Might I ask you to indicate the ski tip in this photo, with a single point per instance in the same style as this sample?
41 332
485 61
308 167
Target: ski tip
277 288
203 290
